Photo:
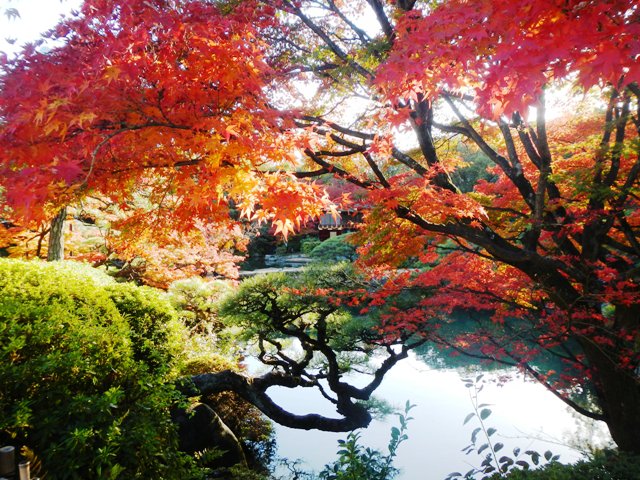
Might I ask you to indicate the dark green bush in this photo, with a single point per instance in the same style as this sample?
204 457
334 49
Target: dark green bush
154 331
308 244
336 249
605 465
84 364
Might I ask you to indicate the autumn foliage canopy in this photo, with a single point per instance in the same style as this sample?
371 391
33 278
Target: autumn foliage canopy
160 109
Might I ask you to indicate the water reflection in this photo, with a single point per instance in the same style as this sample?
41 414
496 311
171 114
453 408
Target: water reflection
525 415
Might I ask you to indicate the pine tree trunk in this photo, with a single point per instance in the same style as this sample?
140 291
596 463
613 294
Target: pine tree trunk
56 237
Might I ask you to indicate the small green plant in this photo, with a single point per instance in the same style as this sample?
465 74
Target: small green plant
356 462
494 464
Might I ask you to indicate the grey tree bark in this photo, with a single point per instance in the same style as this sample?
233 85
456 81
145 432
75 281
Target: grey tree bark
56 237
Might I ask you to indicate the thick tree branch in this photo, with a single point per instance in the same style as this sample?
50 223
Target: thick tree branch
374 167
333 46
383 20
543 270
315 121
253 390
409 162
516 177
616 151
336 170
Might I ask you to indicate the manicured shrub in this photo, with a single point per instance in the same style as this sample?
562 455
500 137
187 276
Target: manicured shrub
336 249
308 244
155 332
195 299
84 364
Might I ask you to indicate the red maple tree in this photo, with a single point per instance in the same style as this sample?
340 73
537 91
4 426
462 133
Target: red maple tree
165 101
549 248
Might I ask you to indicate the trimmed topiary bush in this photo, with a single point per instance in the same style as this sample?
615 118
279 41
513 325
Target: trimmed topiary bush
85 365
336 249
308 244
195 299
155 332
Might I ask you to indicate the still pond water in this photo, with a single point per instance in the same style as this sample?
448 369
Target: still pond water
524 413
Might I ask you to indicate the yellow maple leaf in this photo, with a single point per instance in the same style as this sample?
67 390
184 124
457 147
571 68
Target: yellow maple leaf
111 73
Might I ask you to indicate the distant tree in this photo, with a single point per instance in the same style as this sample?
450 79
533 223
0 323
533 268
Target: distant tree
336 249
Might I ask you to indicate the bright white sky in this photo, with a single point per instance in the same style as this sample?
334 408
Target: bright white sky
36 16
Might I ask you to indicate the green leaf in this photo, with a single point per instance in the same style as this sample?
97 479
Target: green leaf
468 417
506 461
484 413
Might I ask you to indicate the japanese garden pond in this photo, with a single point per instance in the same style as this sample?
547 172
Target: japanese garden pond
524 413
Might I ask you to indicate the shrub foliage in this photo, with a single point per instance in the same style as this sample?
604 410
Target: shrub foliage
84 364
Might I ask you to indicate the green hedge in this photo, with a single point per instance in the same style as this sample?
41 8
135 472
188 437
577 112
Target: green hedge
84 364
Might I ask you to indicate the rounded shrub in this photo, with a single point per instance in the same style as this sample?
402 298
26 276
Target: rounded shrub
195 299
84 365
308 244
336 249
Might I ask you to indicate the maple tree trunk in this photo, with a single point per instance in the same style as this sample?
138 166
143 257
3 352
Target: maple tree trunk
618 389
56 237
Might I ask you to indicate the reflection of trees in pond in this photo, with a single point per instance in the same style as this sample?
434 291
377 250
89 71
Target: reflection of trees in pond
453 347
